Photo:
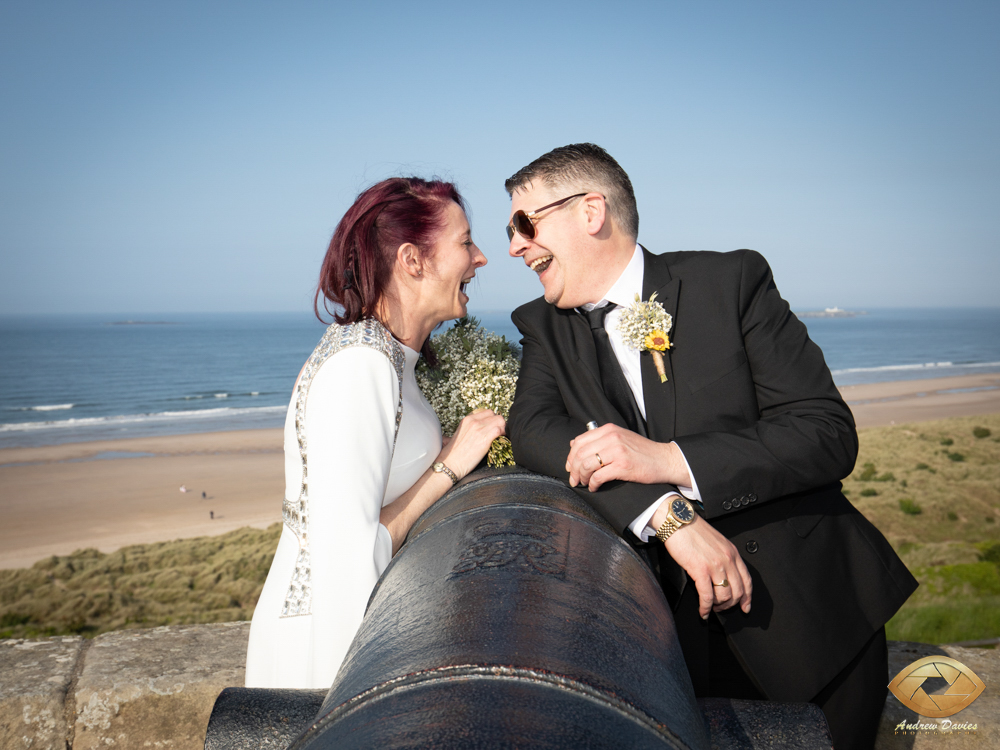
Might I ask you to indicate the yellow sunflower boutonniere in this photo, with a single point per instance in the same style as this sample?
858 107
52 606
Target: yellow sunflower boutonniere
646 326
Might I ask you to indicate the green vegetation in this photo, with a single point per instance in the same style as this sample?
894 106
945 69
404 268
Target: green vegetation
208 579
938 513
956 601
870 474
952 545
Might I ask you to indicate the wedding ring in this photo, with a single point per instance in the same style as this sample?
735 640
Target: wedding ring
724 584
592 425
599 459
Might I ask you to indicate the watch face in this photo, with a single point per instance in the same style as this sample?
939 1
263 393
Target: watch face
682 511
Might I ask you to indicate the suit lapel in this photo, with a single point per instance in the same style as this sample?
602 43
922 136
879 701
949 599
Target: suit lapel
659 397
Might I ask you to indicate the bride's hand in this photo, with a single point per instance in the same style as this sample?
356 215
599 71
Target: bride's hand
471 441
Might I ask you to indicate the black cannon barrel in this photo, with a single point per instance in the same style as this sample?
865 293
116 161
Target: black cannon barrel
514 617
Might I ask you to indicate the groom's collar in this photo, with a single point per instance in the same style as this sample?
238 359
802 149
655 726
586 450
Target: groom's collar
629 284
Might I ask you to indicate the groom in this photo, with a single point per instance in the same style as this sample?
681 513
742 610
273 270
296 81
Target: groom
726 474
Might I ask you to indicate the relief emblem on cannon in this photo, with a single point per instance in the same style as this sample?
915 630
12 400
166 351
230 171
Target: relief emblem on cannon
515 543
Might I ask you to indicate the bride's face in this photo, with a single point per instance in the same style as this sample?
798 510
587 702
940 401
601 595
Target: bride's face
451 266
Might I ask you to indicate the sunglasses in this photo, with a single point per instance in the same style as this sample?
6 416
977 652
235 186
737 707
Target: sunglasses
523 223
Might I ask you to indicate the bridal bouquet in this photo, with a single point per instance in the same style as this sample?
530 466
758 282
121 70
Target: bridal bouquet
476 370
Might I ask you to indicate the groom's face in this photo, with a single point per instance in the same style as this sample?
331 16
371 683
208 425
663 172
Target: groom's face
556 254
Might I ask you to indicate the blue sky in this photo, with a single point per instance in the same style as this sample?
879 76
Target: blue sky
172 157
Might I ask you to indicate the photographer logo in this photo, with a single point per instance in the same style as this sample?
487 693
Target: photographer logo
936 686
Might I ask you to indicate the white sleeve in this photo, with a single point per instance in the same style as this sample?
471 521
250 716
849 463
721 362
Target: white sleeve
350 425
383 549
691 493
640 527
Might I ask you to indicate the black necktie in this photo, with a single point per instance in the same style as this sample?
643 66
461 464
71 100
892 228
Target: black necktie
616 388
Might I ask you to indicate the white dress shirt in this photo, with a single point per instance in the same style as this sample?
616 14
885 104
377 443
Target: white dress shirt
622 293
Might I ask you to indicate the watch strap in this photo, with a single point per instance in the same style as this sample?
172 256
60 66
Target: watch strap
667 528
440 468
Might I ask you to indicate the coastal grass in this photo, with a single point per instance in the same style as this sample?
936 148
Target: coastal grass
207 579
941 513
933 489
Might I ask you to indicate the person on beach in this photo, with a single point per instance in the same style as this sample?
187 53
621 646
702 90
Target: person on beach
364 455
717 446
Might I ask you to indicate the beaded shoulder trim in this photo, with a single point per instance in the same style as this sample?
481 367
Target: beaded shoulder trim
368 333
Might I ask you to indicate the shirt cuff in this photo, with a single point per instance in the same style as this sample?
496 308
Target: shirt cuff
640 527
691 493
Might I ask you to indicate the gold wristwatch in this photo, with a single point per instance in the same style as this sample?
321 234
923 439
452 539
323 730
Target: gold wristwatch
440 468
679 514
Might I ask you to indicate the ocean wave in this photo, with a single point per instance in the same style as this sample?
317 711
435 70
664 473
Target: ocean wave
163 416
924 366
220 394
42 407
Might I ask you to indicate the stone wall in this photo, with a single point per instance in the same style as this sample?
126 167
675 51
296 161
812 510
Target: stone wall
127 689
155 689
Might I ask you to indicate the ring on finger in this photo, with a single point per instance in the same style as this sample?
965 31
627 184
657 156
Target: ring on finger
724 584
599 459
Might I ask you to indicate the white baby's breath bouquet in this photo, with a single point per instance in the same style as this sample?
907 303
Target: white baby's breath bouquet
477 369
646 326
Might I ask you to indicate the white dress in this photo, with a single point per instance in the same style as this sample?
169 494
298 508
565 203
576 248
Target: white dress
344 460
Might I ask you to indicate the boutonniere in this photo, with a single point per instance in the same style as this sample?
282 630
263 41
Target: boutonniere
645 326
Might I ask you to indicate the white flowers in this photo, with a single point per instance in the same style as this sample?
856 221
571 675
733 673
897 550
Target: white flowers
476 369
645 326
641 319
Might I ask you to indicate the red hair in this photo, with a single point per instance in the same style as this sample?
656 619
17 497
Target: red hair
358 265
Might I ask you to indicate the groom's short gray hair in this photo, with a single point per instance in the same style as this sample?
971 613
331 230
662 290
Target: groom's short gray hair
584 167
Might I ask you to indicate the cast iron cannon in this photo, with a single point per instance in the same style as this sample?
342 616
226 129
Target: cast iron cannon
514 616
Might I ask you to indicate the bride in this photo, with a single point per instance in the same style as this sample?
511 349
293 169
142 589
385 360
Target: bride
363 449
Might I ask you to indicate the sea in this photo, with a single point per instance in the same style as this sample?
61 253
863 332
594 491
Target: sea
74 378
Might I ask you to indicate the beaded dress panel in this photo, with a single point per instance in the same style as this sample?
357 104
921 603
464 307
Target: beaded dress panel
368 333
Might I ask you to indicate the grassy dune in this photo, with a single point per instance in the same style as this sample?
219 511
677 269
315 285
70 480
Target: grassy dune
208 579
932 488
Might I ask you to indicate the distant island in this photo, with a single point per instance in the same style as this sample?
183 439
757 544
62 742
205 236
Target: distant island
141 323
830 312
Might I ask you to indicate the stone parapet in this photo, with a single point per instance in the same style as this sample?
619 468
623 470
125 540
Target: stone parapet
128 689
35 679
156 688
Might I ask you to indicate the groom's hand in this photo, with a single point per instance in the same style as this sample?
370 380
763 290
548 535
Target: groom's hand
612 452
709 560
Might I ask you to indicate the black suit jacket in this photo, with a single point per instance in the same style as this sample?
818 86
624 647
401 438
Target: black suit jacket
751 403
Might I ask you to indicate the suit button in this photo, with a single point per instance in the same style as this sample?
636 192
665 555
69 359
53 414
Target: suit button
726 505
752 546
753 497
744 500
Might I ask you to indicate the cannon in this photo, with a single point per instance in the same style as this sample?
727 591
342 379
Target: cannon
514 616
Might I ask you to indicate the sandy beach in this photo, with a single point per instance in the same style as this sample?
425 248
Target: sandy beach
60 498
56 499
881 404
